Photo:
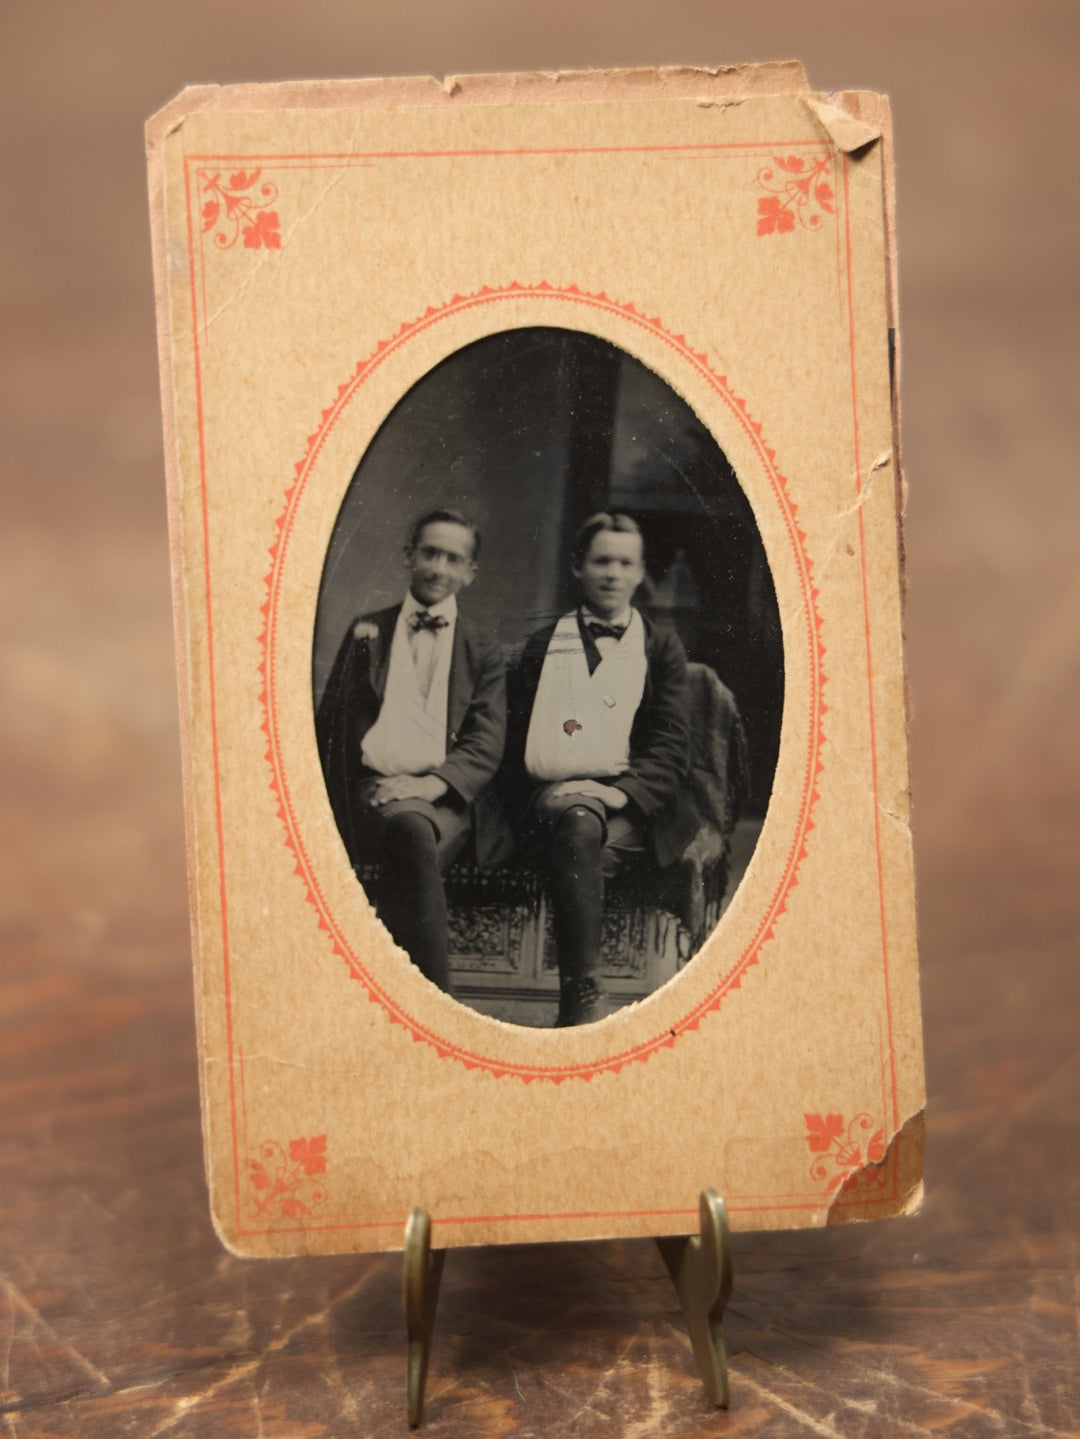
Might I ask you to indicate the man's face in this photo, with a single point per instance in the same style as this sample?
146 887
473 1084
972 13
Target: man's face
441 562
610 572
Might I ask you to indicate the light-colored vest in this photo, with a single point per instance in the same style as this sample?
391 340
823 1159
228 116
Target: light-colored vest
580 724
409 737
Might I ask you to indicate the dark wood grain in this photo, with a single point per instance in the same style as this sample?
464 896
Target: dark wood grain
119 1312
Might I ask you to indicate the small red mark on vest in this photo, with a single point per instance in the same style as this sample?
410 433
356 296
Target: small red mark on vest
570 726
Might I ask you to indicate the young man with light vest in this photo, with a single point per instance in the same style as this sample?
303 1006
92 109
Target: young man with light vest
599 745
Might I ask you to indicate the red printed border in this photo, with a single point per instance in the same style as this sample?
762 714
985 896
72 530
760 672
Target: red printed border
748 1203
804 823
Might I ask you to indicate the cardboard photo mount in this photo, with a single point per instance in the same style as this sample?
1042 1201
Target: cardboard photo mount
319 248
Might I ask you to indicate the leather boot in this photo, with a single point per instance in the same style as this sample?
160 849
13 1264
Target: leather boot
581 1001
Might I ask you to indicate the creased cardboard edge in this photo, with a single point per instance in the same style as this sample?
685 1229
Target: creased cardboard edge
905 1151
707 84
872 113
854 120
847 116
875 111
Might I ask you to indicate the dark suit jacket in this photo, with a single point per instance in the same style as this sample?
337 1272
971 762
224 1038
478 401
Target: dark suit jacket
475 724
659 738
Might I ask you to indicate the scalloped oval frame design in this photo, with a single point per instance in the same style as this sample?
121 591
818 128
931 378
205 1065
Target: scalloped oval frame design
795 851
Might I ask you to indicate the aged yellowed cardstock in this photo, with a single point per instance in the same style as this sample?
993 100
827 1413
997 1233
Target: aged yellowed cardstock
669 294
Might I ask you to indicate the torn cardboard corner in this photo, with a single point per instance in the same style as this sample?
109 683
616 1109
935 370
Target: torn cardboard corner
524 297
898 1174
846 131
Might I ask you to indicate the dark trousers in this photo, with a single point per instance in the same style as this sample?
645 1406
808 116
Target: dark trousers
414 843
581 846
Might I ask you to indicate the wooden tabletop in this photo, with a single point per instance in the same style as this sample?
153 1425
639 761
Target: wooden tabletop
120 1314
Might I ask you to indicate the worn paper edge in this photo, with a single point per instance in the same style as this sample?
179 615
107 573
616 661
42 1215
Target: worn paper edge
870 116
708 84
875 111
853 120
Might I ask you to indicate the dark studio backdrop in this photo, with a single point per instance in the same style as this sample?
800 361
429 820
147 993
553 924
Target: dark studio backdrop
530 431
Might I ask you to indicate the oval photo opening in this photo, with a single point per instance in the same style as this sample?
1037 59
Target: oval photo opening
548 677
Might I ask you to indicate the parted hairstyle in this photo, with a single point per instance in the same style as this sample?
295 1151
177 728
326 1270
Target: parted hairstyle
446 517
599 523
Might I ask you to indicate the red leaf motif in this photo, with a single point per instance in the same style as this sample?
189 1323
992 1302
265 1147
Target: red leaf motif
286 1190
820 1132
769 210
792 164
311 1153
875 1150
210 213
824 193
241 181
263 230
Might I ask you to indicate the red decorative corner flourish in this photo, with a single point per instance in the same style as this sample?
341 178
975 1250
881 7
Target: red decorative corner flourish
234 207
841 1150
800 191
284 1181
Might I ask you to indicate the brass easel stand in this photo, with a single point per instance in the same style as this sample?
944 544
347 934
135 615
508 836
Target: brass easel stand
421 1274
699 1265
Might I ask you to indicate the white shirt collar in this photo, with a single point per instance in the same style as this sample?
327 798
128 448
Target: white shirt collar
621 620
447 607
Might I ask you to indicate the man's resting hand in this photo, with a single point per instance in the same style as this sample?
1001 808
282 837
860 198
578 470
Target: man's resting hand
609 796
409 786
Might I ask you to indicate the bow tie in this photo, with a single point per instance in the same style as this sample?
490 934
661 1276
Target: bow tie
605 632
424 620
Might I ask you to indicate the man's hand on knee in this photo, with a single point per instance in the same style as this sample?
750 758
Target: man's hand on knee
427 787
610 797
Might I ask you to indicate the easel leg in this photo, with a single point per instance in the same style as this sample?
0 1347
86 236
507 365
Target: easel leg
700 1267
421 1272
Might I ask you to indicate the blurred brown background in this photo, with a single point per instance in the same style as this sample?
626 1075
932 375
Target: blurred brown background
119 1312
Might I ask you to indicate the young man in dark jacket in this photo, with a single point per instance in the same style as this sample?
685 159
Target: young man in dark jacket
410 729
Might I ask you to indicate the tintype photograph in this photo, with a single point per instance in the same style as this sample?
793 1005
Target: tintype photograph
538 617
547 677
